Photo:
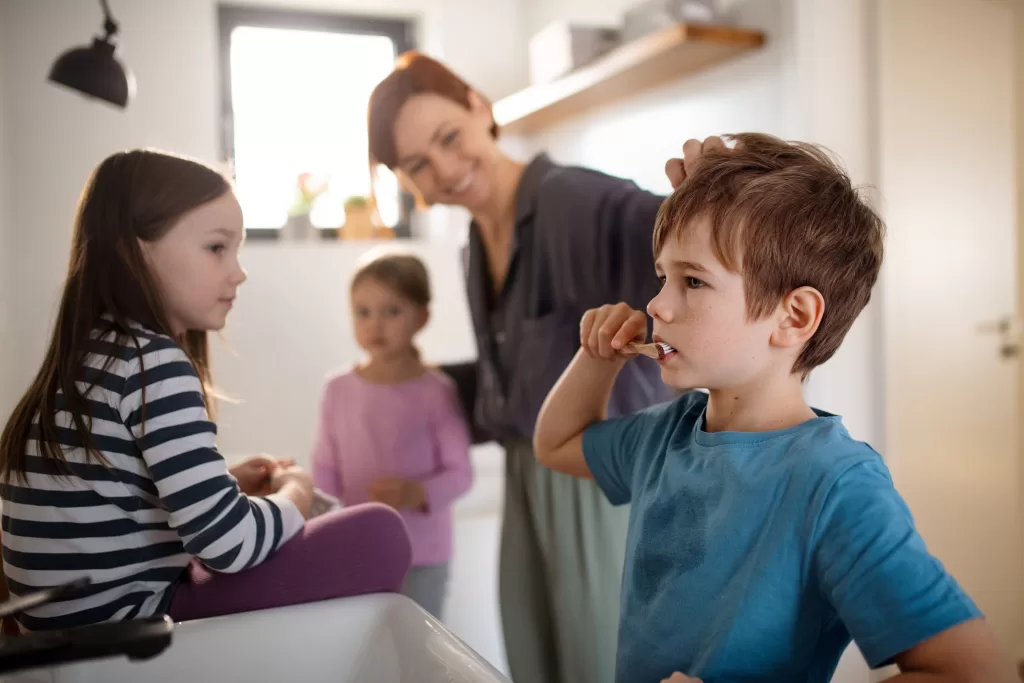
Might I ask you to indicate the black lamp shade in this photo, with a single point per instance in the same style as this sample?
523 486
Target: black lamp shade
95 71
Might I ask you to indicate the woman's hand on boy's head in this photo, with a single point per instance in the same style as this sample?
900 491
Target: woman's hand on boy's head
605 331
678 170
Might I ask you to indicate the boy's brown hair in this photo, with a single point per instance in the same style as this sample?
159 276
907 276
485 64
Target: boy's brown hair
784 215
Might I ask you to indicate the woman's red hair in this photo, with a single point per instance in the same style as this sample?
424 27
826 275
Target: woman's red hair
414 74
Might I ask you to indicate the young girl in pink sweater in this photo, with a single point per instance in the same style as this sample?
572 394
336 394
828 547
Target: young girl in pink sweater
391 430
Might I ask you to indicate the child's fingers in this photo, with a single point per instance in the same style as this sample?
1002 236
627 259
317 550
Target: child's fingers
258 461
604 332
608 335
586 327
633 329
599 320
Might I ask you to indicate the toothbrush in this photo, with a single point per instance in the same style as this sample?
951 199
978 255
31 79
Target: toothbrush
657 351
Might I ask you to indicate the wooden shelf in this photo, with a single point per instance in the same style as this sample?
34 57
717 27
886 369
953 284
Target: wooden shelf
661 57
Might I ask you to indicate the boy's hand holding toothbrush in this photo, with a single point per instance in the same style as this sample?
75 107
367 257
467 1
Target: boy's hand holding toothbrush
616 331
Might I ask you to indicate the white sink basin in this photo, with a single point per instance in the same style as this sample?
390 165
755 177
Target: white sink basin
366 639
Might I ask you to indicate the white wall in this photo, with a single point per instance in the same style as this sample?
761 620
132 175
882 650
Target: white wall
481 40
290 325
7 358
301 324
634 138
957 463
836 108
172 49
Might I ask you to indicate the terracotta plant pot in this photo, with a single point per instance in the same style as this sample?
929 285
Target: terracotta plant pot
359 223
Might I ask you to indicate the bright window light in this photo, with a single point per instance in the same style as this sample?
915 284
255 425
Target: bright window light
299 106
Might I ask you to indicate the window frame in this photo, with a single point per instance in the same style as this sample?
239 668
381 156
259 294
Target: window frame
230 17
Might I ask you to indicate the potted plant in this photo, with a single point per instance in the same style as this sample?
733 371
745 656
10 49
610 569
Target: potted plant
360 222
307 191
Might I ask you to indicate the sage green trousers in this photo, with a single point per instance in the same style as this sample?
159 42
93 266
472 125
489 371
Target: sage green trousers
560 573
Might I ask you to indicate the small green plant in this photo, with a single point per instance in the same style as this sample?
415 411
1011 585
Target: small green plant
307 190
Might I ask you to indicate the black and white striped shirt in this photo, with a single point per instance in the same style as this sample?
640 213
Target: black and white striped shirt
166 497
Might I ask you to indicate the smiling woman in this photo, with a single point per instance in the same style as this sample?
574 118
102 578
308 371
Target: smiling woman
546 242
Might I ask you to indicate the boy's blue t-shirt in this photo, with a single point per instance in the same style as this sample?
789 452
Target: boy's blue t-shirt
757 556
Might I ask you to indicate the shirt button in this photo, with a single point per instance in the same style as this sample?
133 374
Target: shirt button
500 337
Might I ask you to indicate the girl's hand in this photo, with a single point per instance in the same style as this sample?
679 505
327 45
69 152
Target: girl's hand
680 678
678 170
286 472
296 483
253 473
605 331
398 493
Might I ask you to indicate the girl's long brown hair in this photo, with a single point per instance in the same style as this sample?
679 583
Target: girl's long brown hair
131 196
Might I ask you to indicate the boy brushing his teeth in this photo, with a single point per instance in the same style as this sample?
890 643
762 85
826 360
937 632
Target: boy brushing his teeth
762 537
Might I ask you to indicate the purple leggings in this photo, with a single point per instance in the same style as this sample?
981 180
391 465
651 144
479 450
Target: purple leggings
353 551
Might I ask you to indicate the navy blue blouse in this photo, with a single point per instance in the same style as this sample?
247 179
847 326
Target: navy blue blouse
582 239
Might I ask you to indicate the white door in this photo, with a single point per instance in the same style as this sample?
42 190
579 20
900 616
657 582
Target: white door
947 155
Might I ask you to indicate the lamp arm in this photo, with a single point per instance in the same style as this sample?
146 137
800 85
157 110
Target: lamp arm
109 25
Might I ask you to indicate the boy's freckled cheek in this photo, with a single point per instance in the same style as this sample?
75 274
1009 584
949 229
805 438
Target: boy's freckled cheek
699 315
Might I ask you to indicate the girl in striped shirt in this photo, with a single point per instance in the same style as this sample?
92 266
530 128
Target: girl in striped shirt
108 464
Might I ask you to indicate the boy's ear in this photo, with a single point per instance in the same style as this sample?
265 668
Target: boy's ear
800 315
424 318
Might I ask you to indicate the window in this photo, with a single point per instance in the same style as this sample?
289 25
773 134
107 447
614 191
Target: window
295 91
